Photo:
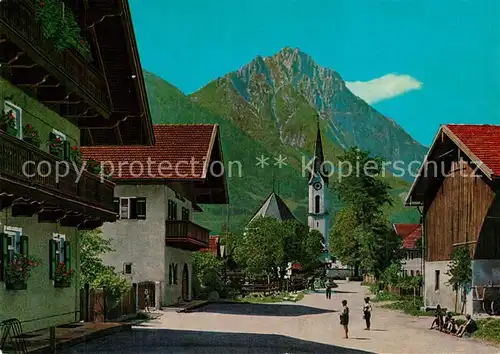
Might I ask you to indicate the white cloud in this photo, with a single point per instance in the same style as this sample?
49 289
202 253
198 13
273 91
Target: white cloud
383 88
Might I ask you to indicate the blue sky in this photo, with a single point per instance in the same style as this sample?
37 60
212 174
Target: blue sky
444 54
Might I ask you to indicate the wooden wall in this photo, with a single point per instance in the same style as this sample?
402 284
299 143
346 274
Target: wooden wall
488 245
456 215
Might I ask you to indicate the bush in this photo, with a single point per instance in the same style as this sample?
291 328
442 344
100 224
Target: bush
488 329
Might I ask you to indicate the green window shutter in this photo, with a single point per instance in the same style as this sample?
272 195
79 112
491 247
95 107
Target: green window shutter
116 205
141 208
4 255
67 150
52 258
24 245
67 255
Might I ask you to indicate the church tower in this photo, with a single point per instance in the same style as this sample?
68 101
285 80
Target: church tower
318 195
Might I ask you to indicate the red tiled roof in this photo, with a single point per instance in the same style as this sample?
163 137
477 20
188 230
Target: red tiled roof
181 151
404 230
482 140
410 233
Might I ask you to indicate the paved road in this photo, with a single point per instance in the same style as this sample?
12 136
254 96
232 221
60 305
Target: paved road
311 326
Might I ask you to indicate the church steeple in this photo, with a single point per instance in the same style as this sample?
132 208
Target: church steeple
319 158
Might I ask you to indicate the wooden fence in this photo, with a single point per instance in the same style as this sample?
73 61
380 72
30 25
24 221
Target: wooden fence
98 306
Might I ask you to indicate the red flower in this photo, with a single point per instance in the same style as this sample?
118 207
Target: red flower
30 126
58 139
75 148
82 41
53 145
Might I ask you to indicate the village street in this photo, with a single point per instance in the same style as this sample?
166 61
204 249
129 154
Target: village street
311 326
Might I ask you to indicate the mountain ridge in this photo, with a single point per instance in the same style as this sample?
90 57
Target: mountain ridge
258 117
324 91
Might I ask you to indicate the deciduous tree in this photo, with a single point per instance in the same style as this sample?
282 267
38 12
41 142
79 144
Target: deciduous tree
460 271
93 270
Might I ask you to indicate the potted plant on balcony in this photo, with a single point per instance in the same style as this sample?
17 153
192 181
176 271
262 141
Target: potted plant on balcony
56 146
63 276
30 135
18 271
9 123
76 155
94 167
60 26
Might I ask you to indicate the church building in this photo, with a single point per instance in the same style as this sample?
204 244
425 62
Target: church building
317 217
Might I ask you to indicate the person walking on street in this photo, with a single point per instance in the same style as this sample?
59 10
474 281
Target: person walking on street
344 318
328 289
367 313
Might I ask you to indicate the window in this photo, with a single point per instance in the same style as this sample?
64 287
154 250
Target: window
130 208
418 272
175 273
185 214
12 241
436 280
172 210
411 255
316 204
172 273
66 144
127 268
9 107
412 273
60 252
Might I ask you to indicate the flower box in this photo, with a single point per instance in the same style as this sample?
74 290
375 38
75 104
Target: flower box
62 284
16 286
30 135
18 271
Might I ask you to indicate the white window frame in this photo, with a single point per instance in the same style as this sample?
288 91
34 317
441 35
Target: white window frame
8 106
128 207
14 232
60 250
59 134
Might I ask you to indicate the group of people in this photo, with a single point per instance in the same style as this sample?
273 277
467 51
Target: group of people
344 315
448 324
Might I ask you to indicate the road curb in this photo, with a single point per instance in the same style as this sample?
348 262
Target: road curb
62 346
193 307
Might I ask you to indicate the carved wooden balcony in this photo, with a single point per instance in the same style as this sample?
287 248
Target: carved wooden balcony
31 61
30 174
186 235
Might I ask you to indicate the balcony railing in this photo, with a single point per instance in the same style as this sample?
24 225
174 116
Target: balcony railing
19 16
186 234
28 165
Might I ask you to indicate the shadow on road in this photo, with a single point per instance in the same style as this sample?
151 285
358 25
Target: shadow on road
179 341
248 309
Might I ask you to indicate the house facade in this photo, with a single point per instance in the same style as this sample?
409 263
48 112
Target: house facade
52 101
457 192
156 234
411 254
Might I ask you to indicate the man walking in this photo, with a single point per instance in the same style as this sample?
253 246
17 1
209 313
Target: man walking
328 289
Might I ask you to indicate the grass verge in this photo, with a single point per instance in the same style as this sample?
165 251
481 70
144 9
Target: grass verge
256 298
488 330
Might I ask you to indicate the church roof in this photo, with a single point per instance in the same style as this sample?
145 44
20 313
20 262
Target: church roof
274 207
319 157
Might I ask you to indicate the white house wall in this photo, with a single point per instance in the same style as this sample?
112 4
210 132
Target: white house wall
173 292
140 242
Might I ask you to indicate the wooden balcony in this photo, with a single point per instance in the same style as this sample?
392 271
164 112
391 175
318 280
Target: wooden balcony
185 235
36 182
30 61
